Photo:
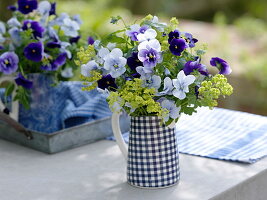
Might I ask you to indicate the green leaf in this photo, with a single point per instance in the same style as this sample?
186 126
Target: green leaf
10 88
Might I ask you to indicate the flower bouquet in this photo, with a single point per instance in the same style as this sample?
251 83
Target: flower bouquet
153 71
36 40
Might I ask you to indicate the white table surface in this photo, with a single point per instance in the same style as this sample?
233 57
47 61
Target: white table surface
98 172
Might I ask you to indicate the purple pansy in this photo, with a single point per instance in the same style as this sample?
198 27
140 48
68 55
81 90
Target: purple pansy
133 61
135 30
53 44
35 26
191 41
12 8
174 35
74 39
107 82
27 6
53 9
55 64
90 40
221 64
150 53
22 81
8 62
34 51
190 66
177 46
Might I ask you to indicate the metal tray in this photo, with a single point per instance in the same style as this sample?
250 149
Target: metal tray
61 140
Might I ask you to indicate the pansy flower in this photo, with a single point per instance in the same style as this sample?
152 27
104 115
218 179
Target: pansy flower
90 40
74 39
222 65
174 111
8 62
27 6
55 64
133 61
174 35
177 46
190 66
34 51
149 52
189 38
181 84
22 81
107 82
135 30
35 26
115 63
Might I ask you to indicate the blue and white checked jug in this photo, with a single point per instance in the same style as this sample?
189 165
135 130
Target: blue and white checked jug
152 155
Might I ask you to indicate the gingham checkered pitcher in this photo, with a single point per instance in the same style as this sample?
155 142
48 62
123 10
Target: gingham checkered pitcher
152 156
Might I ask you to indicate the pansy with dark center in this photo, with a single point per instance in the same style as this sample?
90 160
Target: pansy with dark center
133 61
191 41
27 6
190 66
107 82
34 51
53 9
177 46
8 62
221 64
151 57
22 81
35 26
174 35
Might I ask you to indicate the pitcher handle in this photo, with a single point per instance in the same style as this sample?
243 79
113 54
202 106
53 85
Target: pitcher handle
15 105
115 122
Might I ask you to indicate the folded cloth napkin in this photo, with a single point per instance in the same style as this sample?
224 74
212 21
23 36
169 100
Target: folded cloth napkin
222 134
82 107
74 107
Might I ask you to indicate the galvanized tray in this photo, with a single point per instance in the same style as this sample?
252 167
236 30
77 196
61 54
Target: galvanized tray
61 140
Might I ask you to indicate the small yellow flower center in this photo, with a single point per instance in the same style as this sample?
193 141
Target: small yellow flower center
108 82
116 66
6 62
151 56
33 51
176 47
27 6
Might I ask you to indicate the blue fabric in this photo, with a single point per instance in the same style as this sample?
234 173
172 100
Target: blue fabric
74 107
222 134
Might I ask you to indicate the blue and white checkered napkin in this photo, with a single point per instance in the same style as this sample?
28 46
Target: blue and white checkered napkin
222 134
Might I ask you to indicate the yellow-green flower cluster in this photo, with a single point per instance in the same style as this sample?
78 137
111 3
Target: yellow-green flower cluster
138 98
85 55
210 90
90 83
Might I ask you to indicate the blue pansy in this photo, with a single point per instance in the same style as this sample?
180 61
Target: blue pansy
181 84
174 111
9 62
149 53
115 63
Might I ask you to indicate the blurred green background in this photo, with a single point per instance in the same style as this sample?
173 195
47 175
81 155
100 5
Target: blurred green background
235 30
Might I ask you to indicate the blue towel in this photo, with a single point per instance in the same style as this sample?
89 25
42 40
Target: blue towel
75 107
81 106
222 134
